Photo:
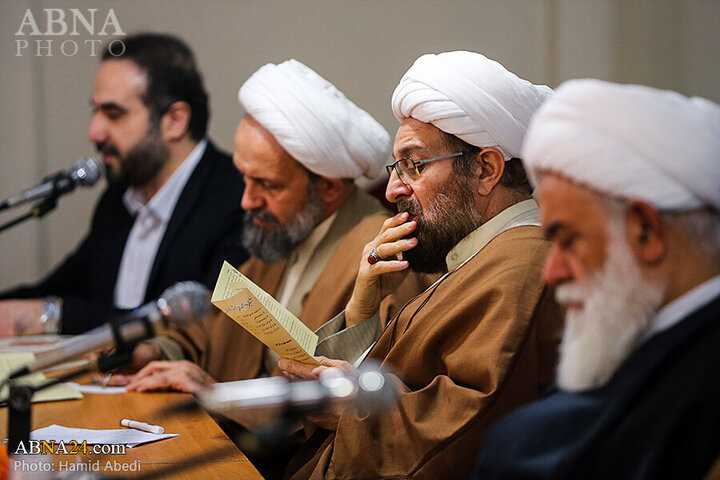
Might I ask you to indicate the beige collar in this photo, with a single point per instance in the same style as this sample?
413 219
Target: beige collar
519 214
300 258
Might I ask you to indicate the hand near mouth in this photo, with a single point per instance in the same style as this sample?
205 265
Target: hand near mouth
377 280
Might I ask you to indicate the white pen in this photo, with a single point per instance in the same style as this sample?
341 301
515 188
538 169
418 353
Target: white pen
145 427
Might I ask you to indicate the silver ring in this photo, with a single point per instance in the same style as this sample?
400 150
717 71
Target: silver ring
106 380
373 258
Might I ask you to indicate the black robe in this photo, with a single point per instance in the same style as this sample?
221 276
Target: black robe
658 417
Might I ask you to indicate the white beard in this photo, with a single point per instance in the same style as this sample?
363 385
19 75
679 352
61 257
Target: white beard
618 304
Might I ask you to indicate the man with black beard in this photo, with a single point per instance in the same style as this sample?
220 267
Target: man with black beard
172 210
299 147
482 339
629 187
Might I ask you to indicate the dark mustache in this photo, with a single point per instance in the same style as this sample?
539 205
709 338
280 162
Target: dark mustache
409 205
107 149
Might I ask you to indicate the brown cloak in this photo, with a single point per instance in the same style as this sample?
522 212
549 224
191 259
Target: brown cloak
480 342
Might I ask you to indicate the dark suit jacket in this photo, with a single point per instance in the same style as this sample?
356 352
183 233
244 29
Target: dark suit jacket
657 418
204 229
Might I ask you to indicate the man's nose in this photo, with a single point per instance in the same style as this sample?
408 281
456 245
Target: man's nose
251 198
396 188
557 270
97 133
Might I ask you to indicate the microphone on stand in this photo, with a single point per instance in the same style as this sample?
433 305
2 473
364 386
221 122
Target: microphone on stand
179 305
85 173
371 389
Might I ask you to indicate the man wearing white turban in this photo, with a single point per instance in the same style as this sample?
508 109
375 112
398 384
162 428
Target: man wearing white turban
299 147
629 188
482 339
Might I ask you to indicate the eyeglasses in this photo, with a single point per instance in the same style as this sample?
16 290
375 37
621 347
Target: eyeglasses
407 168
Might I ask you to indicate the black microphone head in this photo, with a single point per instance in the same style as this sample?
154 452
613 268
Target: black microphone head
86 172
184 303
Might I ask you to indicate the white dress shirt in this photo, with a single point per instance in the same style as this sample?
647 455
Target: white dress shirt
684 305
151 220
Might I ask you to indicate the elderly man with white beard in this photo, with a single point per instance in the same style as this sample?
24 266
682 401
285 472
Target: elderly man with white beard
629 190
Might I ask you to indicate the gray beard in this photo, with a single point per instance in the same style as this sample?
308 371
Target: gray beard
619 304
449 218
277 245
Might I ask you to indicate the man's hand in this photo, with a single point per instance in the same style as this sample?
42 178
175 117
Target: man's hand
180 375
143 354
20 317
375 282
301 371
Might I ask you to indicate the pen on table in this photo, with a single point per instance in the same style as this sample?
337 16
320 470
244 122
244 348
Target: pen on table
145 427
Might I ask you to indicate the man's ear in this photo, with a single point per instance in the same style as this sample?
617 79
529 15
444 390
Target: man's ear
646 233
175 122
331 189
490 167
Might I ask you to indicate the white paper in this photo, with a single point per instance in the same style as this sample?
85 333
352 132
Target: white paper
110 390
127 436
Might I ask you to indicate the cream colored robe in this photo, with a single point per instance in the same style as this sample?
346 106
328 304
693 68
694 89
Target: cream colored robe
469 349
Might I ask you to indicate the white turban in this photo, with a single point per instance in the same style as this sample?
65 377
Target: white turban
629 141
314 122
470 96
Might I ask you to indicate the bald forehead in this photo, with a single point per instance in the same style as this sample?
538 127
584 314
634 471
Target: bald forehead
414 136
256 150
565 204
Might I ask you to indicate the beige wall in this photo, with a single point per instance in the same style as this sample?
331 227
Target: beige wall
363 46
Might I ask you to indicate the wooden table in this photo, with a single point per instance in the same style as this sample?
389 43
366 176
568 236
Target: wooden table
201 439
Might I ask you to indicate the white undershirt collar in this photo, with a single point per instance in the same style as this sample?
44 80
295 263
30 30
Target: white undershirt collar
681 308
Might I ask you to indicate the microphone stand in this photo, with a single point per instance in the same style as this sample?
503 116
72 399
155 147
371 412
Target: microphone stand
38 211
20 396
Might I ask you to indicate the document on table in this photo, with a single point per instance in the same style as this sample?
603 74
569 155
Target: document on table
120 436
98 389
261 315
9 362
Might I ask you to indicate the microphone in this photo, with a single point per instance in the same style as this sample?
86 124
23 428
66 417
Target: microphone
371 389
179 305
86 172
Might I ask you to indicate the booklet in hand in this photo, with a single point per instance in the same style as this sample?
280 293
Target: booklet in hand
262 316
